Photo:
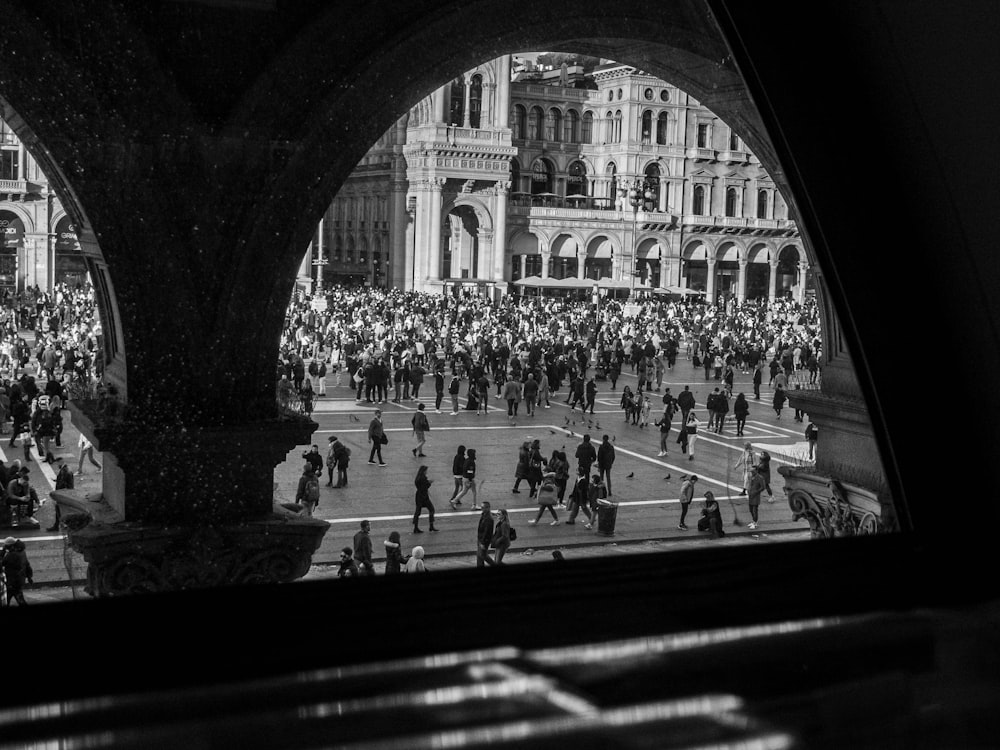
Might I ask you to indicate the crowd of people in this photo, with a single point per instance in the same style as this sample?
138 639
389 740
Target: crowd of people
525 352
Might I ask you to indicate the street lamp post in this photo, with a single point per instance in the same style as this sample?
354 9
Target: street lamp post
638 194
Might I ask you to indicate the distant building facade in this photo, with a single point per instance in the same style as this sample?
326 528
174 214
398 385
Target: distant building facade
38 242
489 180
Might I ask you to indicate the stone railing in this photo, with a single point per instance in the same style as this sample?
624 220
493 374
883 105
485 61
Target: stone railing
836 508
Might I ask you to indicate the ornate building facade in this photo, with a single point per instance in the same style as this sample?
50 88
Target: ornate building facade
38 242
607 175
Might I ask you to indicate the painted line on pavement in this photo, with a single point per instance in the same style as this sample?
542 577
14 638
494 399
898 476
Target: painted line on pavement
497 505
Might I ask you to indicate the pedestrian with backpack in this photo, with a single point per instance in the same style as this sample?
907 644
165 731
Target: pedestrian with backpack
307 494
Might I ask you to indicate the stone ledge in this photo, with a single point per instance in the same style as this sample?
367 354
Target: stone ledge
129 558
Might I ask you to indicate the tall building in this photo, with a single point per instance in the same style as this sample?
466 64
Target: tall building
611 175
38 242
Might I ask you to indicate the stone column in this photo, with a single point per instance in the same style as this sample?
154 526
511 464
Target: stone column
399 258
466 115
408 262
546 256
524 266
434 230
741 284
772 280
803 271
480 269
664 189
502 118
440 99
500 231
665 279
304 280
581 263
710 282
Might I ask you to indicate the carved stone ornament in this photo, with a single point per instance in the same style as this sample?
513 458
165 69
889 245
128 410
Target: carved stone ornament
130 558
834 509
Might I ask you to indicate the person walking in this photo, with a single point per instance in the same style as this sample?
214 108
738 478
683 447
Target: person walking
438 390
687 495
423 500
591 395
64 481
307 493
393 554
453 389
756 488
536 462
747 460
468 480
483 394
721 410
605 460
530 393
685 401
586 455
501 536
521 469
543 389
86 451
363 549
741 410
16 568
579 499
778 402
512 395
664 424
484 537
691 428
457 470
559 466
758 377
377 437
546 499
420 428
764 469
812 434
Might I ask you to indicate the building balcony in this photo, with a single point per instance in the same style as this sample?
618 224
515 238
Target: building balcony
13 186
701 154
733 157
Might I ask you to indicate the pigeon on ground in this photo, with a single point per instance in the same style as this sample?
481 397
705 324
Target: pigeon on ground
613 438
630 475
571 433
667 477
597 425
567 420
354 418
553 432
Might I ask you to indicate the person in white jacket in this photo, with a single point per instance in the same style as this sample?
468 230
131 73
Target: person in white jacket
691 427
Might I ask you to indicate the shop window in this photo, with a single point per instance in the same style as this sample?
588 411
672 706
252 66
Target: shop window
475 101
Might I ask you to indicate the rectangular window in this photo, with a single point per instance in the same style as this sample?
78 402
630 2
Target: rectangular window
702 135
10 168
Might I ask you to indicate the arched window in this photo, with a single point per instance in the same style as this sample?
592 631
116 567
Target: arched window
612 195
587 131
662 122
734 141
646 132
761 204
520 121
553 125
576 179
515 176
456 112
618 126
732 196
609 127
571 127
698 202
535 124
475 101
541 177
652 175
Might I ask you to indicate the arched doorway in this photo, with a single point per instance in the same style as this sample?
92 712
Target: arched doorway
460 248
600 252
526 257
694 268
758 272
787 281
564 257
648 253
727 270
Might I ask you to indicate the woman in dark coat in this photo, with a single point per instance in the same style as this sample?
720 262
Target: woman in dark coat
457 468
423 500
779 400
535 463
764 469
16 568
521 470
393 554
559 466
741 410
711 517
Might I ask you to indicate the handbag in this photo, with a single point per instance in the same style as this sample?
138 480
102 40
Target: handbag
385 439
513 534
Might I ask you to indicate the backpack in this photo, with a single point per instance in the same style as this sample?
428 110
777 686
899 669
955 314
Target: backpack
312 490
